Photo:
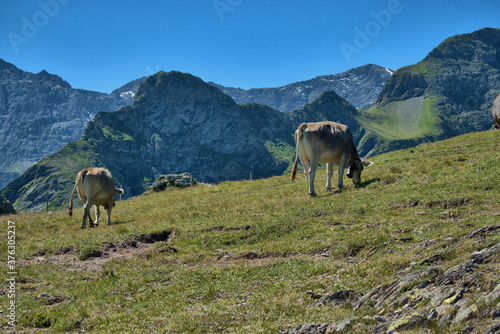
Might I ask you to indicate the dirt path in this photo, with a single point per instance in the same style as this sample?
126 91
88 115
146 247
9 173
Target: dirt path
71 259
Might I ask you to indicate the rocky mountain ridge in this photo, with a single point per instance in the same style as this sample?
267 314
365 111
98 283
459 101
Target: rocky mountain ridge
177 123
360 86
41 112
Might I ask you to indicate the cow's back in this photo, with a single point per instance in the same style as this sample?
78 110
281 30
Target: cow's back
99 185
328 140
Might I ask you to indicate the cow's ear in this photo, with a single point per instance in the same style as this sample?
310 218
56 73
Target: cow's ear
366 163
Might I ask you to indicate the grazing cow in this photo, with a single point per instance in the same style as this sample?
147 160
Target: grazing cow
496 112
96 187
327 142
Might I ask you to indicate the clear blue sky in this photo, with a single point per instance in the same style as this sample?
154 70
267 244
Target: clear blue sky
102 45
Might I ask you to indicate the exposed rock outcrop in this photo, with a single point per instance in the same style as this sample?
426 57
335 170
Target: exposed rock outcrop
426 297
163 182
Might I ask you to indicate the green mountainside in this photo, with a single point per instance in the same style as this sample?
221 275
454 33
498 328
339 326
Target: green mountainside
450 92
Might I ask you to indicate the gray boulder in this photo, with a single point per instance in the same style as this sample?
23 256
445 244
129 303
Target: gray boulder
171 180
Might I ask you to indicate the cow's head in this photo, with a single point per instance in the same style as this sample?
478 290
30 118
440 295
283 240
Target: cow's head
354 171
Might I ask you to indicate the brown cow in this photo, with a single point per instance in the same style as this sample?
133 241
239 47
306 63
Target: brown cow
496 112
96 187
327 142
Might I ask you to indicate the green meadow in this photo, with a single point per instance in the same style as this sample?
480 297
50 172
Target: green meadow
246 256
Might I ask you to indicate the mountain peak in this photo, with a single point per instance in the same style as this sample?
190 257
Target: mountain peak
44 76
7 66
478 46
177 86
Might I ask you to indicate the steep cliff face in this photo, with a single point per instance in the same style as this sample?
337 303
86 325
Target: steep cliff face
40 113
360 86
177 123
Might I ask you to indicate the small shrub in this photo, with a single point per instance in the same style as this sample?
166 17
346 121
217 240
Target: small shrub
42 320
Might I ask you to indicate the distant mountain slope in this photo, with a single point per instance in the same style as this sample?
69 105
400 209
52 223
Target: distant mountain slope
360 86
450 92
177 123
40 113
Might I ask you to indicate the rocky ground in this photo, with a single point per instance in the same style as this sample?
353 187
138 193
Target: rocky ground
425 298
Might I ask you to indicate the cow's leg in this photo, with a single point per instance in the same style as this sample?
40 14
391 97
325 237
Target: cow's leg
343 163
109 213
97 215
86 213
329 174
83 198
312 174
305 164
91 222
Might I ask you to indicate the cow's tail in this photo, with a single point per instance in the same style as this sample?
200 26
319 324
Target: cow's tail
300 133
70 207
119 190
294 169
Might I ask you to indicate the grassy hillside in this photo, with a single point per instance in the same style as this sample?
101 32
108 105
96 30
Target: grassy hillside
53 173
255 256
400 120
449 93
399 124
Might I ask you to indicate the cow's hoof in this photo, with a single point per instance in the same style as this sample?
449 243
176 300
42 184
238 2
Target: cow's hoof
313 194
82 227
328 188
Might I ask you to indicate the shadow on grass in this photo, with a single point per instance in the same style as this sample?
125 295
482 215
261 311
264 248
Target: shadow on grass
338 191
117 223
367 183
